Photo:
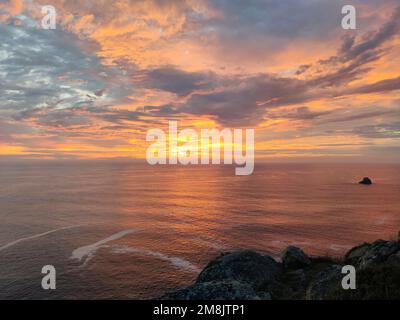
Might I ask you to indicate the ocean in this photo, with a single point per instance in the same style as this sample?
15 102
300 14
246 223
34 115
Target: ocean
127 230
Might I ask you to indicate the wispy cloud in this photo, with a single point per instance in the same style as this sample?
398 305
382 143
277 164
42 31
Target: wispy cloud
104 77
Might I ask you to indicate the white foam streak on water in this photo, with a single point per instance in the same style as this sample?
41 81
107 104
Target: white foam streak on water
175 261
212 243
89 250
13 243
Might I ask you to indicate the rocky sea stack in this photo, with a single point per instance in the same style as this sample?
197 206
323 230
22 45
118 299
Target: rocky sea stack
251 275
366 181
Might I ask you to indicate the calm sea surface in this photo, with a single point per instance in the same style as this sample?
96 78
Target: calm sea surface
127 230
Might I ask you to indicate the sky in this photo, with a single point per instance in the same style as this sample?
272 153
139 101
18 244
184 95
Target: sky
110 72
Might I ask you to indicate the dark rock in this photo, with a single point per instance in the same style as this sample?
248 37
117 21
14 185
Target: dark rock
295 258
354 255
291 285
394 259
217 290
246 266
372 254
324 283
248 275
366 181
298 278
378 252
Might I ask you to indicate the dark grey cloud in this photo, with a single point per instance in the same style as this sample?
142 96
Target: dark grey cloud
352 49
303 68
344 74
80 118
161 111
389 130
179 82
356 54
249 104
245 102
380 86
10 129
76 117
346 115
52 79
258 28
281 19
300 113
239 100
55 118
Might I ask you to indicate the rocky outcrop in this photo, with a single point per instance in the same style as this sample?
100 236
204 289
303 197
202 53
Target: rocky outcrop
251 275
217 290
366 181
245 266
295 258
372 254
324 283
355 254
239 275
394 259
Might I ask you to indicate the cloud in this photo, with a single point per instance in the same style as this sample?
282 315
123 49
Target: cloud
352 49
178 81
110 74
355 56
300 113
280 19
345 115
55 118
380 86
42 68
389 130
245 101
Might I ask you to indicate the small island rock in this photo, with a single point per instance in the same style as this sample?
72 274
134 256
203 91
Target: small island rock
366 181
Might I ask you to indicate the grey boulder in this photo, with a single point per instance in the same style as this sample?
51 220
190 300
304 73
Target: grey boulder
378 252
295 258
325 283
217 290
366 181
244 266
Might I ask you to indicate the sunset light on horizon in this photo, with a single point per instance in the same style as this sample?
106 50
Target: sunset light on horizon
94 86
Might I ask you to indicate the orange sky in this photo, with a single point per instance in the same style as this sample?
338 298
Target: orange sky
108 73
